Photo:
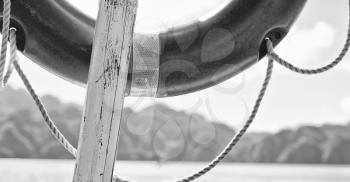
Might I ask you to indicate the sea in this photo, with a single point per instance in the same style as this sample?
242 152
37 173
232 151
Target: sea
23 170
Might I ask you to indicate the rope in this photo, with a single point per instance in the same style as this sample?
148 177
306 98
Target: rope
241 133
272 55
65 143
5 36
50 124
13 55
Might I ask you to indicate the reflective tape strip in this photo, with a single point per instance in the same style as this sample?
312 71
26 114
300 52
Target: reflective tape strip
145 71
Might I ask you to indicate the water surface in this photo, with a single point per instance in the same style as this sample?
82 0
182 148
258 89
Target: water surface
18 170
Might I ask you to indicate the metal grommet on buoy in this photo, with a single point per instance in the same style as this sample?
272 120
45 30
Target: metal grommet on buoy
177 61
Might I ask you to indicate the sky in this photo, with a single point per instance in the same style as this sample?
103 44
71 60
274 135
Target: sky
291 100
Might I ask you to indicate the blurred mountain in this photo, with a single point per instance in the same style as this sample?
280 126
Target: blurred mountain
163 134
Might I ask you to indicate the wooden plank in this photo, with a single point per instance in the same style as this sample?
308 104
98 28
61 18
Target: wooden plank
105 93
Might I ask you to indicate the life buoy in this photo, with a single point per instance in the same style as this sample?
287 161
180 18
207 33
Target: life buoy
177 61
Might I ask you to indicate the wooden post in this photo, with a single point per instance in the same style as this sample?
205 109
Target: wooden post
105 93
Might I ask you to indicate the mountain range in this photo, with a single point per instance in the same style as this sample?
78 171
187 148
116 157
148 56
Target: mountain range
162 134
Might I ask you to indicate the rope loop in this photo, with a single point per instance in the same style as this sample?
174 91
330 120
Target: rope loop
272 55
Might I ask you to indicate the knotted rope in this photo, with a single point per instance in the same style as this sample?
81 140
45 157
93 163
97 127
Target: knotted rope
66 144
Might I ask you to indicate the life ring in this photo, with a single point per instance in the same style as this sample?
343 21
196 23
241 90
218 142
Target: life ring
177 61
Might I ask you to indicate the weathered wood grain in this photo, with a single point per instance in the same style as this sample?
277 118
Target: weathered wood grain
105 92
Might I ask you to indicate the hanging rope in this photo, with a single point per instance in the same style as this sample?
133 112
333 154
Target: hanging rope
65 143
240 134
50 124
5 36
13 56
14 63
